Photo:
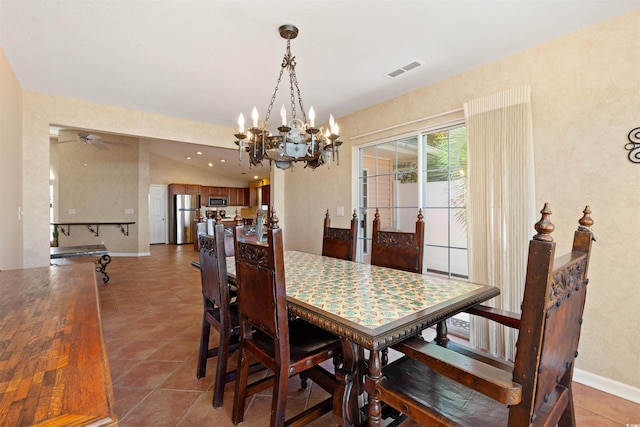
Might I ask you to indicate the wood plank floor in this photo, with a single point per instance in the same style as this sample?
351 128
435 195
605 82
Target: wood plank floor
151 311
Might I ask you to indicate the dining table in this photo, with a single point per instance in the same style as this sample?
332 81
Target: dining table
368 307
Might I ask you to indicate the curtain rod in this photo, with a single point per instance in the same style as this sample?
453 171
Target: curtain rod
457 110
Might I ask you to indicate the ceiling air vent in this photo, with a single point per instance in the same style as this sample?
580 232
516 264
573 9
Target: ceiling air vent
400 71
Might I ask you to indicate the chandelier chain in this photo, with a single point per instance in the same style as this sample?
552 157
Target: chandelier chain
294 81
275 91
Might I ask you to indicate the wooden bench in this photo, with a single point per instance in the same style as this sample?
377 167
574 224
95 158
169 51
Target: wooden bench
85 250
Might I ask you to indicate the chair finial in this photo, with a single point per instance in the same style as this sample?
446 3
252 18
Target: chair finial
237 219
327 214
273 220
586 220
544 227
355 215
420 215
377 215
218 218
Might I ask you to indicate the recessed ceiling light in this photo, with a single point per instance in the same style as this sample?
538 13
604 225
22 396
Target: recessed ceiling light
210 164
188 157
223 160
255 177
199 153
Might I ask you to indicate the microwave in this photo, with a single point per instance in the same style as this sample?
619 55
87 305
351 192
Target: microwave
217 201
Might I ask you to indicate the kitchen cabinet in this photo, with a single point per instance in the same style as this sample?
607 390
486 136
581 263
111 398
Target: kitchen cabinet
219 191
204 195
177 189
232 198
238 196
266 196
252 196
184 189
192 189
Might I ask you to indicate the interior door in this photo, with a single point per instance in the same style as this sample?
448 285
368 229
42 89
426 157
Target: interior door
158 228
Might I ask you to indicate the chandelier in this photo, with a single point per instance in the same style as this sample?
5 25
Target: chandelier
296 140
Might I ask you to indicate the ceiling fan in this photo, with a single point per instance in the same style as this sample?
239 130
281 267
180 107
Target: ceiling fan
90 139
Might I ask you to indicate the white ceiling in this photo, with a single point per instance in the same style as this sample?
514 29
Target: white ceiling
209 60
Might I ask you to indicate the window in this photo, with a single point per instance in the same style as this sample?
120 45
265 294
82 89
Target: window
425 171
428 170
444 209
388 181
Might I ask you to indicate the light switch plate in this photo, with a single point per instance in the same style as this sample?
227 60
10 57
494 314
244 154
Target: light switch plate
340 211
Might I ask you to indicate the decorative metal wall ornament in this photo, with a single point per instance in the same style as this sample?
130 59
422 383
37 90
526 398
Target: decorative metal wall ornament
297 140
633 145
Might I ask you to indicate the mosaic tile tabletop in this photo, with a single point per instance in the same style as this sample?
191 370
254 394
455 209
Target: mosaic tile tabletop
366 295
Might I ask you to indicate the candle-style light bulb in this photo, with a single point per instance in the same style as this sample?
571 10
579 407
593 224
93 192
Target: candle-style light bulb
331 121
283 115
336 129
241 124
254 116
312 117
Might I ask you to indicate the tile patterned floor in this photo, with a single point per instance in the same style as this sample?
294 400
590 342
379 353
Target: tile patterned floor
151 312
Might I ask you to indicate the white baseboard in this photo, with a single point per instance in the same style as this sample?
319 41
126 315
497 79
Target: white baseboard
130 254
607 385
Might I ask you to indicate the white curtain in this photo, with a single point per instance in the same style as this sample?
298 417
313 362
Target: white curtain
500 206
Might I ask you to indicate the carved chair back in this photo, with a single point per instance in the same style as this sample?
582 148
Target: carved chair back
399 250
340 242
218 312
213 267
260 268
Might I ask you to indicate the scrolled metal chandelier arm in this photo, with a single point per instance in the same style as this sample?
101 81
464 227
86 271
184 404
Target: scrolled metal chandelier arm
297 140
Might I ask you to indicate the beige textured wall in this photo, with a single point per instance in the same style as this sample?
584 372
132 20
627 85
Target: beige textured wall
101 185
10 167
585 88
41 110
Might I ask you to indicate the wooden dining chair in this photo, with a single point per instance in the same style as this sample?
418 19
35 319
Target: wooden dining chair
340 242
398 250
435 385
219 312
286 347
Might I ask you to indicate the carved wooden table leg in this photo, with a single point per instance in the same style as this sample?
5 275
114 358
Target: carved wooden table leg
441 333
374 375
349 376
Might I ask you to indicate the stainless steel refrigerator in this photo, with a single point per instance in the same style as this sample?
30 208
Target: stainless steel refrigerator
187 207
